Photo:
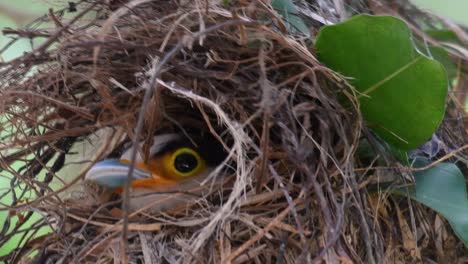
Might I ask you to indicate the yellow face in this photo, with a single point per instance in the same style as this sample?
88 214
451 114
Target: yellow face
169 168
174 161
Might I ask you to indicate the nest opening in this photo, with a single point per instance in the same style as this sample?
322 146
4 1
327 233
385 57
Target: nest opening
292 192
249 84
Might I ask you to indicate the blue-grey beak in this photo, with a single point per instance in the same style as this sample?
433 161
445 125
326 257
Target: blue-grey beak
113 173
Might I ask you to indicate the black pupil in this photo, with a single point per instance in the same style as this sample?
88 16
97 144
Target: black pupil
185 162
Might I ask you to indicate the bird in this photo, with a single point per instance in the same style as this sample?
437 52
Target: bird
176 165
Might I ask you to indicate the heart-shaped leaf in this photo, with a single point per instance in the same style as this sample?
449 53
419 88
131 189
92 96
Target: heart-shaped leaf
402 93
443 189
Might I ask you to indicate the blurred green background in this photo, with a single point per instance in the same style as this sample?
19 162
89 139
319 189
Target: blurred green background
19 13
15 14
457 10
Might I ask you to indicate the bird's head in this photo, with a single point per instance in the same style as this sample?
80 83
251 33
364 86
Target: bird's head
175 163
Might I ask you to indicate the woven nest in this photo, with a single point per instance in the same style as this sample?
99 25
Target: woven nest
296 192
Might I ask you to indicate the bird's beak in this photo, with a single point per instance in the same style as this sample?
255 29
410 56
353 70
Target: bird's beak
113 174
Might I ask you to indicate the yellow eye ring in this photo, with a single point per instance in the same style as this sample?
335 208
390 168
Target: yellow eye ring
185 162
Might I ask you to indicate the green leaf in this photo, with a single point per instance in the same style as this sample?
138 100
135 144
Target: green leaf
443 189
444 35
402 93
368 153
442 56
288 12
440 53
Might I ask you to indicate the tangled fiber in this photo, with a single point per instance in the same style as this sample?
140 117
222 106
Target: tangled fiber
118 71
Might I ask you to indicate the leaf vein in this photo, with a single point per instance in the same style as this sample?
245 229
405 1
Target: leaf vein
391 76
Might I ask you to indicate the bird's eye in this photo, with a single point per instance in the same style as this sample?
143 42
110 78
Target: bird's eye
186 162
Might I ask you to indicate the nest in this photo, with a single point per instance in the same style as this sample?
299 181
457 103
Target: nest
121 71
